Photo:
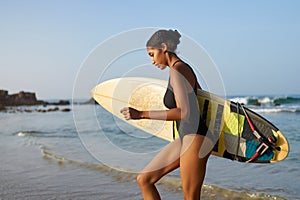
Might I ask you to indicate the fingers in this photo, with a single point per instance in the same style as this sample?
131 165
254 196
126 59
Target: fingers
130 113
126 112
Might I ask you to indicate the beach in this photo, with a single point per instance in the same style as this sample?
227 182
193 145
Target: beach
57 155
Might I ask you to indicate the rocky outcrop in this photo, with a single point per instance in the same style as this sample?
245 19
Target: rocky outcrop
19 99
8 102
25 99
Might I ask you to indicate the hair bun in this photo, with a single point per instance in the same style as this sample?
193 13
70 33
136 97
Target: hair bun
170 37
175 33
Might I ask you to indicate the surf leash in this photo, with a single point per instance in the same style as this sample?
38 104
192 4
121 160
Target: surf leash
265 143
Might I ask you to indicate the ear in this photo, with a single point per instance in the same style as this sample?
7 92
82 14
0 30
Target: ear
164 47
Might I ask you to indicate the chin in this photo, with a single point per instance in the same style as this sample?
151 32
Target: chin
162 67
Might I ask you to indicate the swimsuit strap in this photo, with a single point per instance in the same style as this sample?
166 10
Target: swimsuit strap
176 62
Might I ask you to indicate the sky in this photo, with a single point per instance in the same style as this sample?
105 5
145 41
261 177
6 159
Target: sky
45 44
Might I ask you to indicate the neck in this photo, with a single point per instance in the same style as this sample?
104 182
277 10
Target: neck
171 59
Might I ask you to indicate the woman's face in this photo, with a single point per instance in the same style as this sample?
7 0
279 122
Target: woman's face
158 57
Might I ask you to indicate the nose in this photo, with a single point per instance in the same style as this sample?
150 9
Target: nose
153 62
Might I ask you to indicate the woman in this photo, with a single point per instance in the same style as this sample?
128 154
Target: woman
180 97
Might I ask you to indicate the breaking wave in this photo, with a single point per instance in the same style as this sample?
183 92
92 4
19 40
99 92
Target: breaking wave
267 100
270 104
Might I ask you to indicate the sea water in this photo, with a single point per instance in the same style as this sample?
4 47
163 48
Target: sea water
88 154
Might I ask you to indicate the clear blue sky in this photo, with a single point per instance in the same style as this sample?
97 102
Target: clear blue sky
255 44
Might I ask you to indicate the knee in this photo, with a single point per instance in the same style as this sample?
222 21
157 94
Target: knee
144 179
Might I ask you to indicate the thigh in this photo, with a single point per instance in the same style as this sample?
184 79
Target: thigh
164 162
192 164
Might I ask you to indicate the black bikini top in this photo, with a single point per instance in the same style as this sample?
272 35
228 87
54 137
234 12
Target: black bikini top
169 98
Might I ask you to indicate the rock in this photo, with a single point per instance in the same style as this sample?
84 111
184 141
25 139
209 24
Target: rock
2 107
42 110
8 103
3 95
61 103
65 110
53 109
257 104
19 99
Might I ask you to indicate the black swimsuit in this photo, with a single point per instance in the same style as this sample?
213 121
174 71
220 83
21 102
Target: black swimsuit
194 124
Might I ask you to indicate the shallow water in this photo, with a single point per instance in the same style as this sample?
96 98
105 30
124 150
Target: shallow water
58 156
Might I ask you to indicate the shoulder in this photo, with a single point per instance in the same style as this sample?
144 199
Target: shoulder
182 72
178 73
180 67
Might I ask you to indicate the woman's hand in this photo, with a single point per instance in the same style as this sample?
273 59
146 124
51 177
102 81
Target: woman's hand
131 113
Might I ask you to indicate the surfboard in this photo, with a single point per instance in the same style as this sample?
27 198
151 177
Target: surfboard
238 133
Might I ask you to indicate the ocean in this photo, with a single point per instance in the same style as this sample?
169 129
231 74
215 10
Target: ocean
88 154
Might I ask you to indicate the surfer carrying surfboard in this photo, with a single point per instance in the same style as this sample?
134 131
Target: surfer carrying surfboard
191 151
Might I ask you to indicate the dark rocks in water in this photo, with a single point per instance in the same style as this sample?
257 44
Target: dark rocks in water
66 110
257 104
60 103
2 107
41 110
53 109
9 103
19 99
25 99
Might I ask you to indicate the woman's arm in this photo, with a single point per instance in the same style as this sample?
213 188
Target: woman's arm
172 114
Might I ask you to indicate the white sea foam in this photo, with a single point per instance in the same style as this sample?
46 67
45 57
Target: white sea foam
22 134
241 100
265 100
277 110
